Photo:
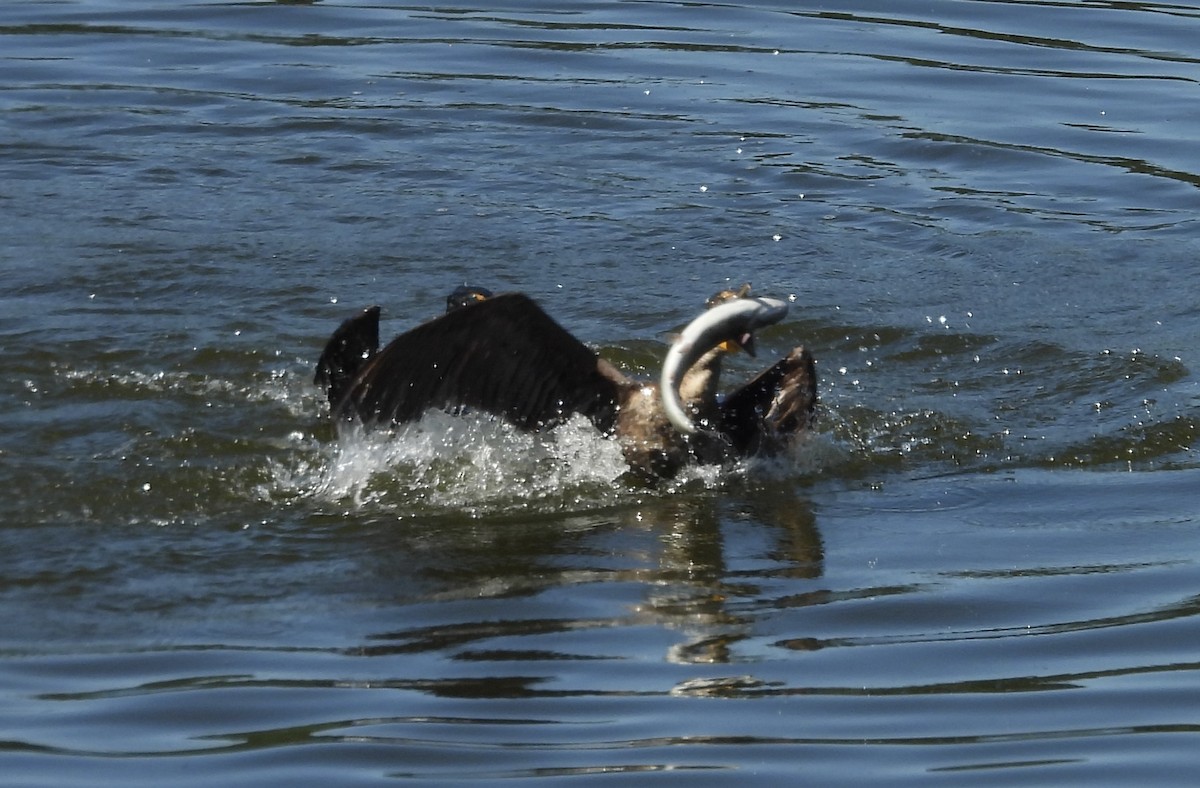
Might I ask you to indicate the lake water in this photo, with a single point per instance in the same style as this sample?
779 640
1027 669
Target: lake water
982 568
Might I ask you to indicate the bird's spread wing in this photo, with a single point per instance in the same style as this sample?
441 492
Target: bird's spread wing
775 405
347 352
503 355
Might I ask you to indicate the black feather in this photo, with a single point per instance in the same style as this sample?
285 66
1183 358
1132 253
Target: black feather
777 403
349 349
503 355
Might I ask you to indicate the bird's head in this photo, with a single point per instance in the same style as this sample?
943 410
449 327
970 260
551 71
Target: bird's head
743 341
465 295
731 320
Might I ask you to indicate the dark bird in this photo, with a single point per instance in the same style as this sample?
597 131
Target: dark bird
505 356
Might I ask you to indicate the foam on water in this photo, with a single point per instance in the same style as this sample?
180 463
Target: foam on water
470 463
478 465
187 440
255 432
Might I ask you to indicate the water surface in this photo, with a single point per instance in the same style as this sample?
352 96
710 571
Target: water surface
979 569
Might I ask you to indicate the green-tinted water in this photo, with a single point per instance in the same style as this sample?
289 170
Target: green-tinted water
981 568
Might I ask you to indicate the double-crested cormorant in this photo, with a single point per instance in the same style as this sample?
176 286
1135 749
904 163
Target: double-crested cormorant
504 355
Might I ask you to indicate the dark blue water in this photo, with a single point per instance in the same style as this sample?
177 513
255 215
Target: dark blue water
980 569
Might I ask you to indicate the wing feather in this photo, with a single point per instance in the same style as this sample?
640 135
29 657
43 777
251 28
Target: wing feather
347 352
504 355
776 404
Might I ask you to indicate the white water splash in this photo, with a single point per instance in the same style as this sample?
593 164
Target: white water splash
473 464
478 465
807 455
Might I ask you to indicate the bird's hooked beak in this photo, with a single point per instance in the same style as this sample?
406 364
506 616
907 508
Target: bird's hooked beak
744 342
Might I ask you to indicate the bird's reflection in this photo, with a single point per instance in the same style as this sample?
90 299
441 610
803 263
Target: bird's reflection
698 588
697 562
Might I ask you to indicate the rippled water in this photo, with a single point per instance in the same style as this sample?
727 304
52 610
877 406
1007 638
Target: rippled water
981 568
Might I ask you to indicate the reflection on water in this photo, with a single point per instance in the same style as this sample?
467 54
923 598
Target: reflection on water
527 645
986 213
677 553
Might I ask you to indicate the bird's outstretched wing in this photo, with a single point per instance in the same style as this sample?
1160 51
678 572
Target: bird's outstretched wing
503 355
347 352
773 406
